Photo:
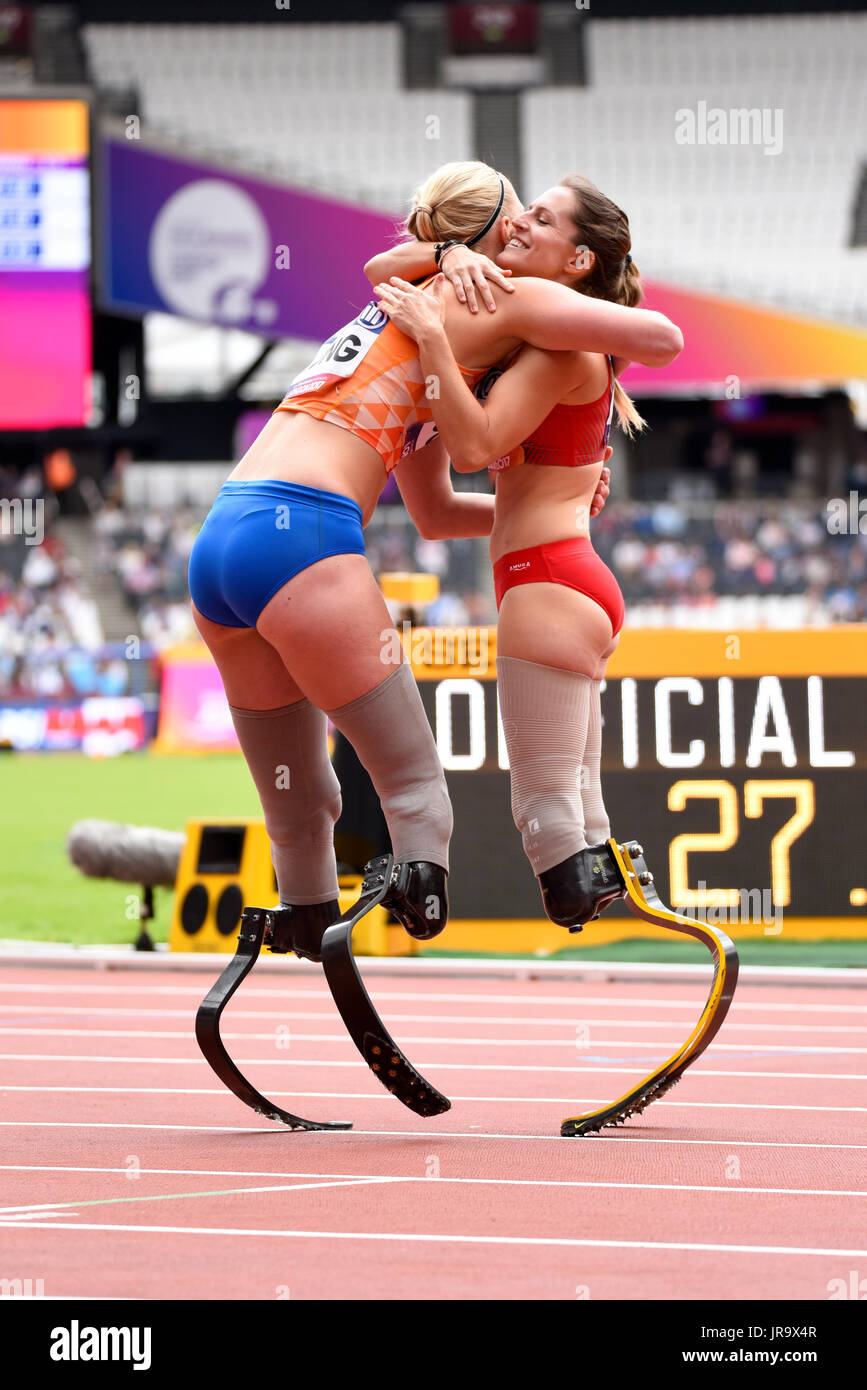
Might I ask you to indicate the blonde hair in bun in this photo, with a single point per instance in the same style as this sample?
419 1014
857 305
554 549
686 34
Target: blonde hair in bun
455 202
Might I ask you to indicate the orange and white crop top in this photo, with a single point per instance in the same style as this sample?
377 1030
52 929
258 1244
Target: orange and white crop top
367 378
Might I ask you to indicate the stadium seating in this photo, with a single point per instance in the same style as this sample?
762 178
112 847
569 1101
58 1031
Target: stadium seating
321 104
771 228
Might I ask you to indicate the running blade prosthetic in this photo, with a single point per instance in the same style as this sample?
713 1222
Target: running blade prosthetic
258 924
643 901
366 1028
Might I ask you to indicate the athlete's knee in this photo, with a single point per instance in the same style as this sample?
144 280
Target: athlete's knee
291 821
391 735
554 804
424 792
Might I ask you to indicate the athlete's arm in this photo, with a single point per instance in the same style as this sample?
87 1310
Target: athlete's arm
440 513
475 434
410 260
468 272
550 315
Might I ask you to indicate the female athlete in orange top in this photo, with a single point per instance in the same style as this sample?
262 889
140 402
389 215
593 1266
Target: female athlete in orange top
286 601
542 431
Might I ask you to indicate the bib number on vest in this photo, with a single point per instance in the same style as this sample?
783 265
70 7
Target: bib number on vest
342 353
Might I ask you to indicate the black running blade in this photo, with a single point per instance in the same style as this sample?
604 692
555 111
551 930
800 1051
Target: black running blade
253 923
366 1028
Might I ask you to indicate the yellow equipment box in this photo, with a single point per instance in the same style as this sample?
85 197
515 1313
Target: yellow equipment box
225 866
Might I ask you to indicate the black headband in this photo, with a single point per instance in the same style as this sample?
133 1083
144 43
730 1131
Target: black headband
493 217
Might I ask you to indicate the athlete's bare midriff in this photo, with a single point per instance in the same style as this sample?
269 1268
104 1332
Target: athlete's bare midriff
538 505
298 449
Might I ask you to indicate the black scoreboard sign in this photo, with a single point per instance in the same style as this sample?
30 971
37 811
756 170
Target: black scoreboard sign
734 785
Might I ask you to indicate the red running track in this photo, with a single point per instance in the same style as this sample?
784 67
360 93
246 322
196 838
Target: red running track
129 1171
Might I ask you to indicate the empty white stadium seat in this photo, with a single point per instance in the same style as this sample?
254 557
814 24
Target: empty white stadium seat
727 218
318 104
322 105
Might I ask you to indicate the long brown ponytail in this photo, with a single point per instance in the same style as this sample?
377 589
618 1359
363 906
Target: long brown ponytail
603 228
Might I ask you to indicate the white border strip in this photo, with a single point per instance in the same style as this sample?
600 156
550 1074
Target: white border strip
395 1178
29 953
641 1135
413 1237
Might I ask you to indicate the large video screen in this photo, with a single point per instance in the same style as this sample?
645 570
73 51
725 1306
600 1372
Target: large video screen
45 316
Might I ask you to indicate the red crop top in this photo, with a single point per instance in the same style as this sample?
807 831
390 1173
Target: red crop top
571 436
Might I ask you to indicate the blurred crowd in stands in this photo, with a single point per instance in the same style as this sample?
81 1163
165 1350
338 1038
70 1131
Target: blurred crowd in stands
770 563
49 625
669 556
148 553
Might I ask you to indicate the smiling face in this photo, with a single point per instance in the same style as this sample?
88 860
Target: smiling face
542 240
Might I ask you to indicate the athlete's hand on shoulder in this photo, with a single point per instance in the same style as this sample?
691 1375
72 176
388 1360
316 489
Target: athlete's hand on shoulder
416 312
467 272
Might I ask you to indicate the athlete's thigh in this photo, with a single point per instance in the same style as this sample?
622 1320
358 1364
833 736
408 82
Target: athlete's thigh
253 673
555 626
333 630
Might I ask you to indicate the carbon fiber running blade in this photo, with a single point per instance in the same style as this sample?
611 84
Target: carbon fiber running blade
366 1028
253 924
643 900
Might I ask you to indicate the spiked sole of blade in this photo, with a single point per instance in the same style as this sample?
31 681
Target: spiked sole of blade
400 1077
635 1104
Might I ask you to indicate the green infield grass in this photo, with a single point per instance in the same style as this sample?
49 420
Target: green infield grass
44 898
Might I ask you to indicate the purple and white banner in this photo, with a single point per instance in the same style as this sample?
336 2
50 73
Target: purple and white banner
190 238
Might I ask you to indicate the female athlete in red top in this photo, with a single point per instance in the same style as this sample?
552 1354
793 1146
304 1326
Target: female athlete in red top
286 601
541 427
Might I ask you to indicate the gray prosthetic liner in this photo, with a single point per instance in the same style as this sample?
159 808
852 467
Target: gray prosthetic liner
287 754
596 826
389 731
545 715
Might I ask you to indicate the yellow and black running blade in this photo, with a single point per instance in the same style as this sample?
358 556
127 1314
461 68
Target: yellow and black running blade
254 923
366 1028
643 900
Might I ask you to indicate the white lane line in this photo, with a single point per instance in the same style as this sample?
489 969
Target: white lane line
414 1237
408 1039
43 1215
57 1208
423 995
424 1134
444 1019
570 1100
409 1177
352 1064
